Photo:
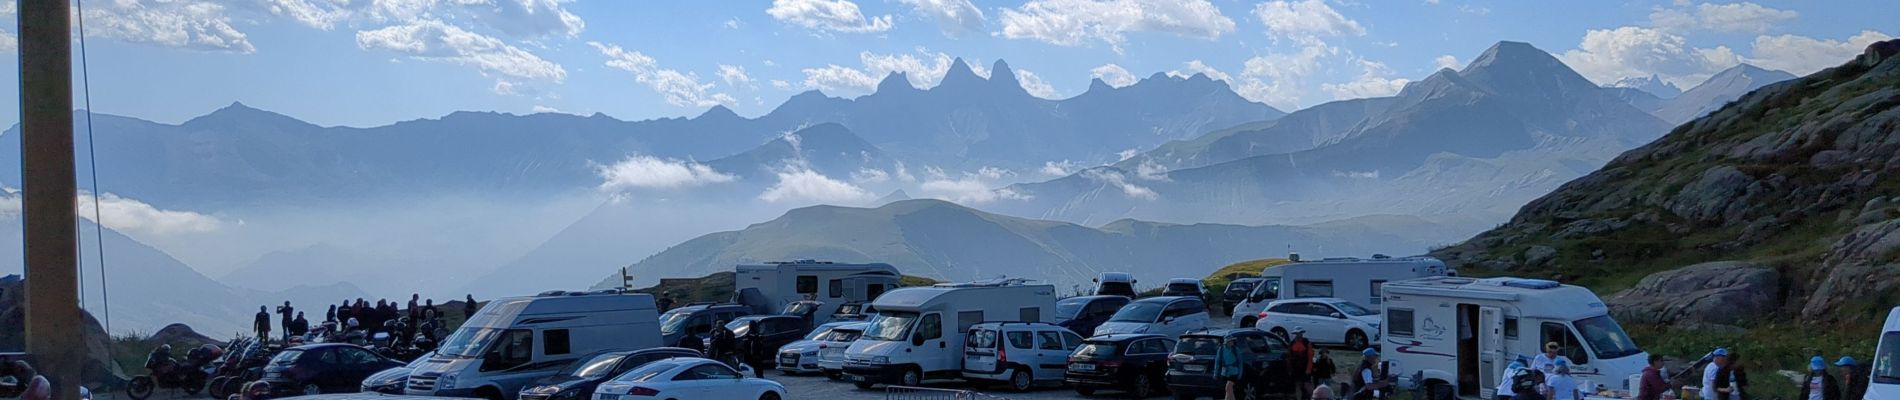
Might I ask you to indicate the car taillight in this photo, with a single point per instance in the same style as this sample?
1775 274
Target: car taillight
1263 314
1002 355
643 391
1111 364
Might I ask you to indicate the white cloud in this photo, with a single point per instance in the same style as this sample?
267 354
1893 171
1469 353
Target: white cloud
1150 170
649 172
1608 55
802 185
186 24
1373 82
734 75
1080 22
977 68
781 84
1197 67
679 88
1117 180
1035 85
522 19
1276 78
827 15
870 176
1124 155
1744 17
1447 61
1802 55
955 17
733 23
544 109
1305 21
125 214
437 41
1113 75
923 69
1059 168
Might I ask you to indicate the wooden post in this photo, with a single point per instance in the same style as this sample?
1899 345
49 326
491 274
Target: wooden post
53 323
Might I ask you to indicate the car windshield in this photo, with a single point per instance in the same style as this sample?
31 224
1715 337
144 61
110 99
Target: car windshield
1887 363
592 368
1097 349
844 335
890 326
1353 309
818 333
1067 308
1240 287
286 358
645 372
1198 346
673 321
1606 337
1269 287
1143 312
467 342
800 308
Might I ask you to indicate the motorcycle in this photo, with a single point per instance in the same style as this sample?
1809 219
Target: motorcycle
244 363
188 374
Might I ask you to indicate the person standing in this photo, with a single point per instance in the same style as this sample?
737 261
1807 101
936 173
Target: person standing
468 306
1819 385
755 349
286 312
1324 368
330 315
1711 373
1856 380
665 302
1737 376
428 308
415 301
262 324
722 344
1561 386
1654 385
344 313
1366 381
299 326
1300 357
1547 361
1504 391
1227 367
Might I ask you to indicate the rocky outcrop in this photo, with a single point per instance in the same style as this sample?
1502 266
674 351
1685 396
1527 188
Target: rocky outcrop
98 370
1719 292
180 334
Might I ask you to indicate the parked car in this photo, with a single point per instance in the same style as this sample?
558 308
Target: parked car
323 368
1021 354
578 380
688 379
1236 292
391 381
1263 360
831 348
697 319
771 332
1326 321
1170 316
1115 284
802 356
1082 314
1188 287
1135 363
853 311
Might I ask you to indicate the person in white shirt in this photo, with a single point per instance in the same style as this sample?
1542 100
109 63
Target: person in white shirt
1561 386
1710 372
1547 361
1504 384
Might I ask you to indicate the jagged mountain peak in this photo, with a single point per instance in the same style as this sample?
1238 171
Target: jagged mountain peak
959 73
896 81
1097 84
1750 71
1517 68
1652 84
240 112
718 112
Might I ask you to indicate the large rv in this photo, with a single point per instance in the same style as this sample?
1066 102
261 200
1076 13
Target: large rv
516 340
1356 280
1454 336
1885 381
769 287
918 332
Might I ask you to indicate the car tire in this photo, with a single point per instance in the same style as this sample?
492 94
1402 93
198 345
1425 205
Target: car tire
1247 322
769 396
1277 331
1020 380
1439 391
1143 388
1356 340
911 377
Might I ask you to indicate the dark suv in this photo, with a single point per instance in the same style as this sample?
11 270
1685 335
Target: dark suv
1136 363
1263 364
771 332
1236 292
697 319
1082 314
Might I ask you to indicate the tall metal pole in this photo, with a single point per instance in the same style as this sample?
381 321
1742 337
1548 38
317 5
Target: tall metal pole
53 322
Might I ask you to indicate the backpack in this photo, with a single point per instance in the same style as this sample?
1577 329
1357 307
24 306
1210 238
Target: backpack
1526 381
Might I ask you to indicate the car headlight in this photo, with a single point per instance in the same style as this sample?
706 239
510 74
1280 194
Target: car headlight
812 353
880 360
545 390
446 382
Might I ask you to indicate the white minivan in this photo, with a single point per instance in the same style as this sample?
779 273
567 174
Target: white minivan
514 341
1020 354
1168 315
1886 363
1325 320
918 332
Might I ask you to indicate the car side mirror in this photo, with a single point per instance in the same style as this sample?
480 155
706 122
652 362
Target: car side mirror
1339 316
1167 320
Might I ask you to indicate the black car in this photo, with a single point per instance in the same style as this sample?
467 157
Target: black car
1136 363
1263 364
771 332
323 368
1236 292
696 319
578 380
1083 313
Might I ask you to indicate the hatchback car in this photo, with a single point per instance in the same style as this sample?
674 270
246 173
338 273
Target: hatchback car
771 332
1082 314
577 380
1236 292
1021 354
687 378
391 381
1170 316
1263 359
1326 321
1136 363
323 368
802 356
697 319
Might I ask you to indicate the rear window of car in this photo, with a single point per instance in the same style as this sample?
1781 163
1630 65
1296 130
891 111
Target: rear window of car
1198 346
846 335
1097 349
981 339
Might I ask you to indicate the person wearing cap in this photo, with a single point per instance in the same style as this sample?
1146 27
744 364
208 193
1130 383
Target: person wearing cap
1547 361
1300 359
1560 385
1819 385
1710 373
1855 377
1510 373
1365 382
1653 384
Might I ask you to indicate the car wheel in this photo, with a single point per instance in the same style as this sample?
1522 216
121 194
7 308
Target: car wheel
1020 381
216 387
912 377
1143 387
1280 332
1439 391
1356 340
1247 322
769 396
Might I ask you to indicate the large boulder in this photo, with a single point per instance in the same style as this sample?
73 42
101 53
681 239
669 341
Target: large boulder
177 334
98 369
1720 292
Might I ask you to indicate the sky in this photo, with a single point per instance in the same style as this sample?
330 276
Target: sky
375 62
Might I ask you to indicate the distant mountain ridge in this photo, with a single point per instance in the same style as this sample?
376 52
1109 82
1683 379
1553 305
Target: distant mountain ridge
1718 91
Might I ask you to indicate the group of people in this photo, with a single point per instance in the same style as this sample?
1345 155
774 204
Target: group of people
421 316
1820 384
1544 377
1310 369
1548 377
726 346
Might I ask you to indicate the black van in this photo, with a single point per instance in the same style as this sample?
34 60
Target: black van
1264 367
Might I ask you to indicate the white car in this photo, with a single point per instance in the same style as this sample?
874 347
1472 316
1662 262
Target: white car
1020 354
831 347
1171 316
687 379
802 356
1326 321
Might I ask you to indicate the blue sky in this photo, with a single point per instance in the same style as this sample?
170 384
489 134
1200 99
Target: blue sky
373 62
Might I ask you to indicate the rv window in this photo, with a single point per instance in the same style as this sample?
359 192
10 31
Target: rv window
807 284
966 319
1019 339
1303 289
1570 347
1398 322
554 341
1887 362
1510 327
1048 340
931 327
837 288
1029 314
515 348
1378 292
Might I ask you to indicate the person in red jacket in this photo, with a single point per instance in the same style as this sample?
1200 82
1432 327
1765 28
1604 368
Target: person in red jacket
1653 385
1299 357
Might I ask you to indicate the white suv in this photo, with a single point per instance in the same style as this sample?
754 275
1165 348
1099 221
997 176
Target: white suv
1326 321
1019 353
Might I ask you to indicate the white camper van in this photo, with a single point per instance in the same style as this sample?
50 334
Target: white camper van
1454 336
516 340
1886 363
768 287
1352 279
918 332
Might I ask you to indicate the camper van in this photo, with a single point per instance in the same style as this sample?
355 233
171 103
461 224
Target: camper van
1352 279
918 332
1115 284
769 287
1886 364
1453 336
517 340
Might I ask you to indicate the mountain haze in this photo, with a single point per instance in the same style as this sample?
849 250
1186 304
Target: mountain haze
1718 91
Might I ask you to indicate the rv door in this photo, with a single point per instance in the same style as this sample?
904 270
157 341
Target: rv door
1490 349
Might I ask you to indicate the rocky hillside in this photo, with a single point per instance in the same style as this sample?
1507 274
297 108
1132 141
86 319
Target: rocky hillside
99 369
1783 201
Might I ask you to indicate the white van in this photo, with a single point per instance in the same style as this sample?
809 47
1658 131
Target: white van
516 340
1438 330
1353 279
1115 284
1019 354
1886 363
769 287
918 332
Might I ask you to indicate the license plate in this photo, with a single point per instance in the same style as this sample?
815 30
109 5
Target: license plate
858 378
1194 368
1082 367
788 360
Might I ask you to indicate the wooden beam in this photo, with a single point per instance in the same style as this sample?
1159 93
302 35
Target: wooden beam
53 320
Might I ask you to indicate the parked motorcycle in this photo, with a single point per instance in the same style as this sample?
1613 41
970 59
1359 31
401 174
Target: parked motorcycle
188 374
243 363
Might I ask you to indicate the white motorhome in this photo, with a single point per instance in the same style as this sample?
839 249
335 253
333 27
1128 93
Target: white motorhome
918 332
1885 376
1352 279
768 287
514 341
1454 336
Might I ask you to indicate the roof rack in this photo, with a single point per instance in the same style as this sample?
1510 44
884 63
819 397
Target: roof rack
802 261
998 282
